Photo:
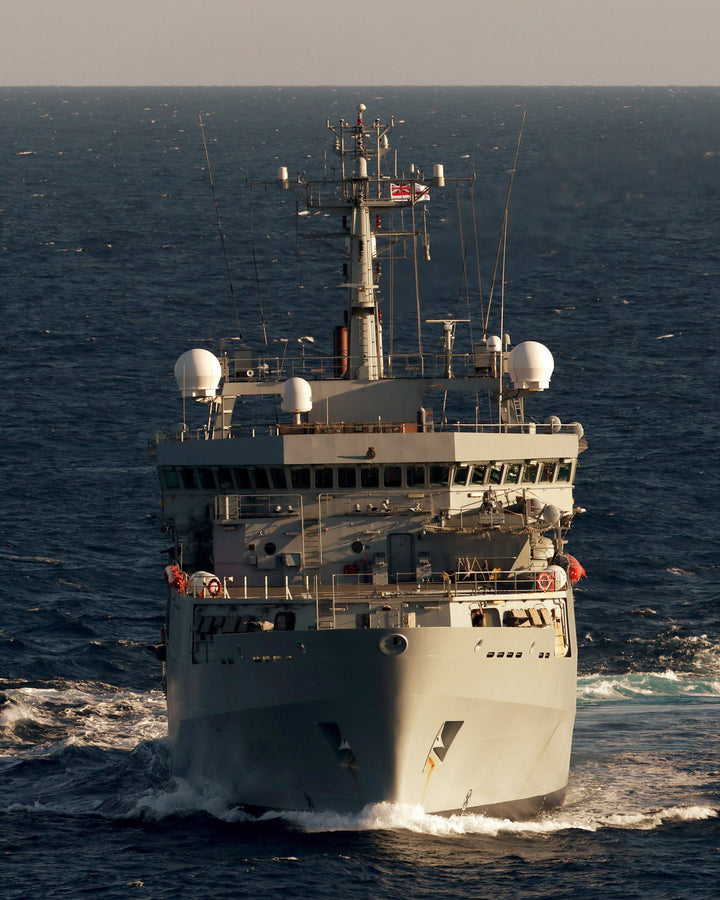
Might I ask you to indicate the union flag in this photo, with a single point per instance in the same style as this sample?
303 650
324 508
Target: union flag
404 191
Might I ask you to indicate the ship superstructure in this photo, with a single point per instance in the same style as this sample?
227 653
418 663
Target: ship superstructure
367 603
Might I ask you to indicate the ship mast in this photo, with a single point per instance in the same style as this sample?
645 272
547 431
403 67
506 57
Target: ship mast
365 195
357 146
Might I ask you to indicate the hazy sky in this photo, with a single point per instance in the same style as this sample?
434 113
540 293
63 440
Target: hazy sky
194 42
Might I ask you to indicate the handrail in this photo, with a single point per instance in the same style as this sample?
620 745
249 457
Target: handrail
276 430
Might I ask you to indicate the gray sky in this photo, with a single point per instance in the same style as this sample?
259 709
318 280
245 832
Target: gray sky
364 42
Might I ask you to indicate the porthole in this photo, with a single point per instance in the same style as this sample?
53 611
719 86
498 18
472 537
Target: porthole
356 546
270 548
393 644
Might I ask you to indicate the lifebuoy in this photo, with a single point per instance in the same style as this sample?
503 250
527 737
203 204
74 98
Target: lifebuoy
214 587
545 581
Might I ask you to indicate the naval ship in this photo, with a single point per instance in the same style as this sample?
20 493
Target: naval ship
367 602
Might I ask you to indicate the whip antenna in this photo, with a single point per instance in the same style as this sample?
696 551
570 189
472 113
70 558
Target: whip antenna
502 243
220 228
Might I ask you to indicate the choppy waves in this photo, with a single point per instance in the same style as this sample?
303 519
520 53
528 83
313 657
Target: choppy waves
646 686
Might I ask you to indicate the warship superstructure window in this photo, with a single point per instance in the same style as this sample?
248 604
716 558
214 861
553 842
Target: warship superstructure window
439 476
530 473
347 477
207 479
496 472
323 477
392 476
478 474
262 482
369 476
242 479
189 480
564 472
300 479
415 476
460 475
512 474
278 479
547 472
171 478
225 479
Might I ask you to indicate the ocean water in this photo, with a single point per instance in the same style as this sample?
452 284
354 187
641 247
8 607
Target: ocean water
111 266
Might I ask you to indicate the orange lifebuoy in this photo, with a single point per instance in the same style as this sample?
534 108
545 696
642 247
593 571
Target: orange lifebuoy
214 587
546 581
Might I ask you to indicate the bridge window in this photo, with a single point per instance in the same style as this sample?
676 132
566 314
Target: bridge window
262 482
188 477
347 477
170 478
415 476
225 479
547 472
278 478
300 479
496 471
531 472
512 475
564 472
369 476
392 476
460 476
207 479
439 476
478 474
323 477
242 479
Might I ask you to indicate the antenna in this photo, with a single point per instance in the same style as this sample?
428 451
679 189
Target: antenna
220 228
503 238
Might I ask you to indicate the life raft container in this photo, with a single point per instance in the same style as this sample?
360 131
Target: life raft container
174 578
575 570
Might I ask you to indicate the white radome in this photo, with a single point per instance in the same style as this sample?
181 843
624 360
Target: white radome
296 396
198 373
530 366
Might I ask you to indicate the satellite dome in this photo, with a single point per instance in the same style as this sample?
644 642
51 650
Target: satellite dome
296 396
198 373
530 366
494 344
554 424
550 515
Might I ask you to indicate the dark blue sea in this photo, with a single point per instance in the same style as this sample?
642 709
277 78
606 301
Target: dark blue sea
111 265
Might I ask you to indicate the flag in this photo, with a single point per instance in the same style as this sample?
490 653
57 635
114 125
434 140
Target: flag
400 192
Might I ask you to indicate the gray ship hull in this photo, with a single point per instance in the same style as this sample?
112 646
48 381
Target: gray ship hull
475 719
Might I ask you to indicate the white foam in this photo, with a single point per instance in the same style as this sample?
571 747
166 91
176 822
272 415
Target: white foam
402 817
631 685
87 715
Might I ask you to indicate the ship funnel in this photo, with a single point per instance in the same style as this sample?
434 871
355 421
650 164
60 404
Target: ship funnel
198 373
530 366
